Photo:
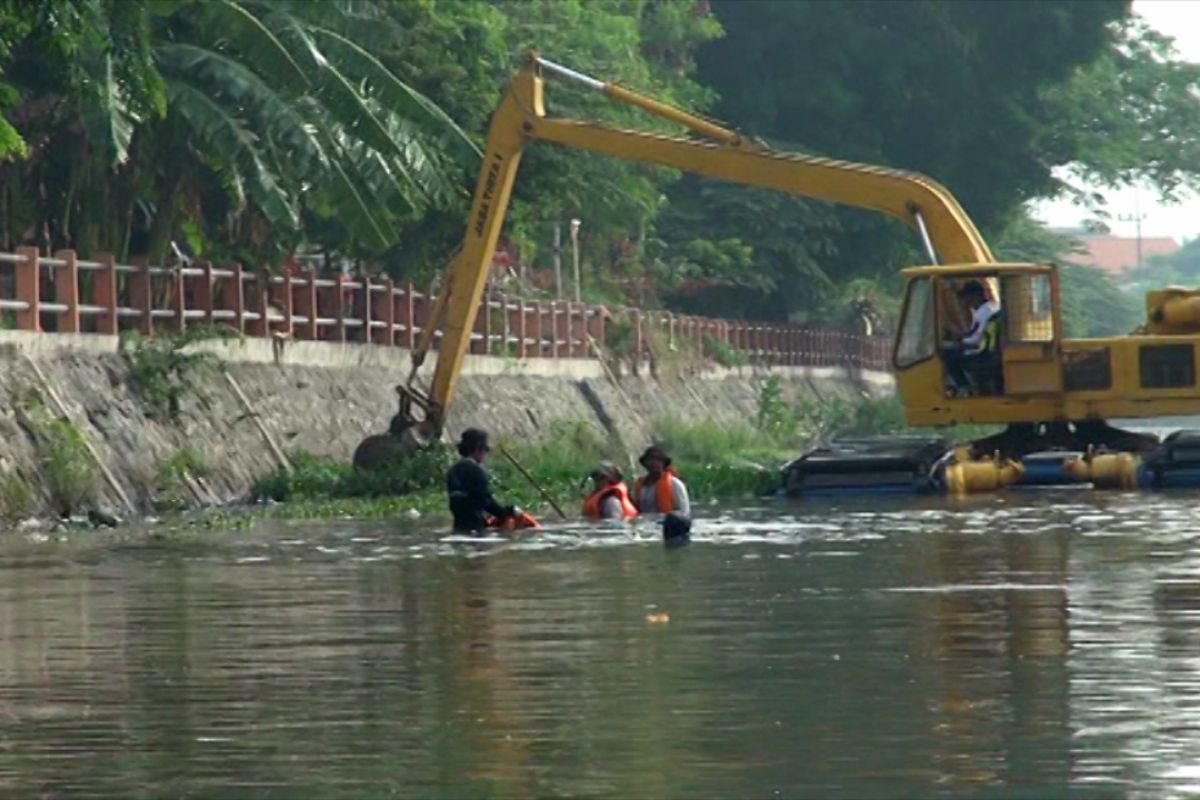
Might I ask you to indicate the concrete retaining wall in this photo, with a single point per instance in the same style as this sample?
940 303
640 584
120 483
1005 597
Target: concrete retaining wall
325 398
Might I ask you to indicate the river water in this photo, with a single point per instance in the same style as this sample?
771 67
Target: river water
1032 644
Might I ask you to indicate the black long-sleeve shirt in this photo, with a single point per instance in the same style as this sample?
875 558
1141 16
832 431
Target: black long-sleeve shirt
470 497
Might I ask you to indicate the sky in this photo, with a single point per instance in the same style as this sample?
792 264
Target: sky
1179 19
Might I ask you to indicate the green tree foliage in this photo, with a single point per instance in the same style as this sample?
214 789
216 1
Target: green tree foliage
251 120
249 128
968 92
949 89
1133 114
645 44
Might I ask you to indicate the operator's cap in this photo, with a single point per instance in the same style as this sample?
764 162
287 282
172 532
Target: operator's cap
972 287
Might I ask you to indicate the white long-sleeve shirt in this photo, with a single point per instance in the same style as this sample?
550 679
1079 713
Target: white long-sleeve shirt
979 320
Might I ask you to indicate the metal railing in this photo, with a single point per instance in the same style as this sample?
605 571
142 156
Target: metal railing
67 294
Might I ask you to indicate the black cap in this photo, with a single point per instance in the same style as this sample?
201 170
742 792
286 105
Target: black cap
974 288
472 439
654 451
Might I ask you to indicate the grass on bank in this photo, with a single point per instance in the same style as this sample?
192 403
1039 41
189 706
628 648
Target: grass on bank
717 461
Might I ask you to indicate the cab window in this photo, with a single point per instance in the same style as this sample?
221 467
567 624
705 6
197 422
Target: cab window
1029 308
917 340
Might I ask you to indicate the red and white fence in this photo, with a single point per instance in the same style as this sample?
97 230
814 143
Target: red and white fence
67 294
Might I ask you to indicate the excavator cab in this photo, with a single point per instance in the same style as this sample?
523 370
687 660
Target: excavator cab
946 375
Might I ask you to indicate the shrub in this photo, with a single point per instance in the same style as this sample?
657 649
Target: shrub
618 336
174 474
314 477
722 352
16 497
158 366
70 474
709 442
777 419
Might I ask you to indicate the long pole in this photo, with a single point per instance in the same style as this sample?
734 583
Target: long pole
558 261
1137 217
575 254
532 481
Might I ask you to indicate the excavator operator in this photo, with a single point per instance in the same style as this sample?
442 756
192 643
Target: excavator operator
979 345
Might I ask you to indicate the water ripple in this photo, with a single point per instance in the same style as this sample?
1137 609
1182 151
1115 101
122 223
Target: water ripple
1036 644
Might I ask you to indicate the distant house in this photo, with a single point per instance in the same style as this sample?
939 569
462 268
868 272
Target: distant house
1115 254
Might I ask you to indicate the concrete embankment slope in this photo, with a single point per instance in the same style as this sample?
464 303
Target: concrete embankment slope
324 398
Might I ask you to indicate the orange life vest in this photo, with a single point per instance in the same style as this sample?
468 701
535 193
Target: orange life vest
664 499
516 522
594 501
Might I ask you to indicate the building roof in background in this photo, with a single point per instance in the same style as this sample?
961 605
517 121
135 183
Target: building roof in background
1115 254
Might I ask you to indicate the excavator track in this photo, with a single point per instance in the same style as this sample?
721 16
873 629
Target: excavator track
1085 454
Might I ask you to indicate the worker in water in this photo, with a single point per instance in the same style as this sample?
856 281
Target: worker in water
980 339
467 485
609 498
660 490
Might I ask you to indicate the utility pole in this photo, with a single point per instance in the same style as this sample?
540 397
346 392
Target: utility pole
558 261
1136 217
575 223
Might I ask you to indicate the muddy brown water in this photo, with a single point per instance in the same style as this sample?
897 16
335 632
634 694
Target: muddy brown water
1033 644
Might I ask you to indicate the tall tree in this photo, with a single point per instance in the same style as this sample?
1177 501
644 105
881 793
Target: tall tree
955 90
244 123
645 44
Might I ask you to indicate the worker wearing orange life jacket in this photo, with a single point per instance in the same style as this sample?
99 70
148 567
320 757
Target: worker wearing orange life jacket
660 490
610 497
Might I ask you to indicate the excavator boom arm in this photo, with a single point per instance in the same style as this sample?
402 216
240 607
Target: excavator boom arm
946 231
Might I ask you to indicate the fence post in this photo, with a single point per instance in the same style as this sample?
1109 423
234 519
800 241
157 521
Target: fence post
280 293
367 314
387 336
28 285
507 318
256 293
338 291
483 321
408 316
203 291
422 310
66 291
522 329
104 294
141 294
539 330
178 301
573 319
595 327
233 297
306 304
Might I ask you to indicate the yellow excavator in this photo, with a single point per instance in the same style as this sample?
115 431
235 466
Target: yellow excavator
1053 394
